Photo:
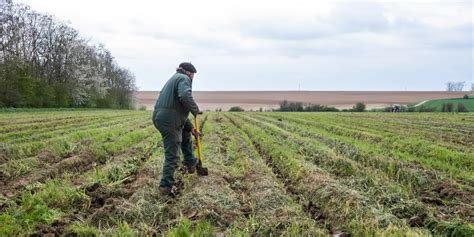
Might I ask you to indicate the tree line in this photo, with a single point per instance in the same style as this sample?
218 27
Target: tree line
457 86
44 63
288 106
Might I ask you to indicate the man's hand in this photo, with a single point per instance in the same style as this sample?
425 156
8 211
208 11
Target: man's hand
195 133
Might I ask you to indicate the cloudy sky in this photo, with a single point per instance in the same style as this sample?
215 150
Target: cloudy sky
282 45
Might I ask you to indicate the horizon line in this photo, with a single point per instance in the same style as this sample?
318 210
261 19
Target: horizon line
317 91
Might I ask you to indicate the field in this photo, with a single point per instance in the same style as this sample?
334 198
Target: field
267 100
438 104
96 172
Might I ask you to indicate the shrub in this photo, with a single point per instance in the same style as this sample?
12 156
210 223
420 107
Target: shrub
320 108
449 107
359 107
462 108
236 109
286 106
465 97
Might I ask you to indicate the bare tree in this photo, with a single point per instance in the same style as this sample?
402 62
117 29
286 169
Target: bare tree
455 86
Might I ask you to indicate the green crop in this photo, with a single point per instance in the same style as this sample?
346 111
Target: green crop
97 173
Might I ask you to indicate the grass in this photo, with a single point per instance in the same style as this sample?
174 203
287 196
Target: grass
50 202
268 209
330 163
186 228
430 154
438 104
323 189
97 173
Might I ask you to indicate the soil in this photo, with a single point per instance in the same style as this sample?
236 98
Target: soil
310 207
75 164
417 221
434 201
242 191
447 191
212 100
314 210
105 199
57 228
98 195
3 158
48 156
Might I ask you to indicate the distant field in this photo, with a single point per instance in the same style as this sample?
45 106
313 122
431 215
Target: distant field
253 100
438 104
296 174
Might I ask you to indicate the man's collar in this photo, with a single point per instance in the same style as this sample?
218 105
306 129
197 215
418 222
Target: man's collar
182 72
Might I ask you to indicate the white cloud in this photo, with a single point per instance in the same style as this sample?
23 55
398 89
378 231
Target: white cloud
244 45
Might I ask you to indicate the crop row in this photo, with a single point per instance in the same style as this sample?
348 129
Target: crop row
377 202
66 144
58 129
50 133
384 126
431 156
270 174
13 121
259 202
65 198
101 145
428 185
342 207
400 175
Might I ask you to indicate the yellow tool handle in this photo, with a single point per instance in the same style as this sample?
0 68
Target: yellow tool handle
198 139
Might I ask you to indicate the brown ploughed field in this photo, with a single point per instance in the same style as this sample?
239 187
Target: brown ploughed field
212 100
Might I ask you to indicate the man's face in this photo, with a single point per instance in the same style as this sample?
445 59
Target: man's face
191 75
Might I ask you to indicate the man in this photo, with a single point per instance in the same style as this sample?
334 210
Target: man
170 117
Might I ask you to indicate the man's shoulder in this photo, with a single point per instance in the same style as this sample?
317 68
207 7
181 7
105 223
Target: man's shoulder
180 76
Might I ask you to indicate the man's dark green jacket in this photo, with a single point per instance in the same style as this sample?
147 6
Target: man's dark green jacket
175 103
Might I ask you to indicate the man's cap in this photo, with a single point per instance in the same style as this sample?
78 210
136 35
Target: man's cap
188 67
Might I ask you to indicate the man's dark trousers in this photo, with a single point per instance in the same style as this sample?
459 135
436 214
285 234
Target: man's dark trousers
174 139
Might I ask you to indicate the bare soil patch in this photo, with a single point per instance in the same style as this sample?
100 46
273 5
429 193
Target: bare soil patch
73 164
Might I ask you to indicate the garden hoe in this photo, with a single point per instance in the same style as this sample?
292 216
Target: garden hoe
201 171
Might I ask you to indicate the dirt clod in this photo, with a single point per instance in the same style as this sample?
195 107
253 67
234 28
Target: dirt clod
431 200
314 210
57 228
48 156
98 195
417 221
246 210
